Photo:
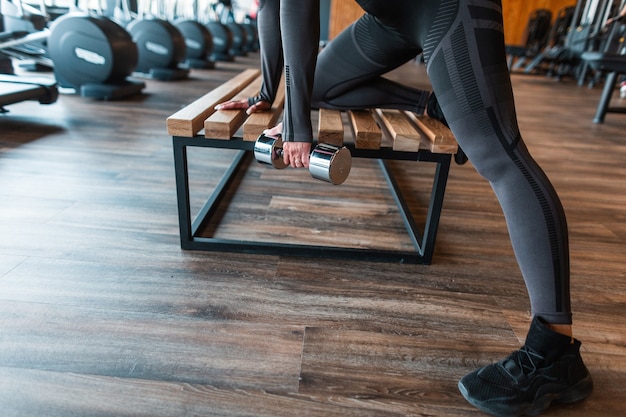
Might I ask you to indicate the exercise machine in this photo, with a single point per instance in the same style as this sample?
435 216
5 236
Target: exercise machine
536 38
557 50
89 53
14 88
94 56
28 26
221 35
160 44
198 42
198 38
252 36
606 39
586 31
609 62
244 37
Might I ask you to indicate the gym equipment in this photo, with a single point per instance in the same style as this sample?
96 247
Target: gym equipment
20 17
327 162
611 63
89 54
161 46
15 89
578 29
6 65
198 42
560 54
252 36
222 41
94 56
197 37
28 46
26 27
536 34
222 36
239 46
241 41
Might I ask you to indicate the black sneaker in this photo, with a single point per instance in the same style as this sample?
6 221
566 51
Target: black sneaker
547 368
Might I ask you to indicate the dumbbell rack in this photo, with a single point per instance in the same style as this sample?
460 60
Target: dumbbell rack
423 240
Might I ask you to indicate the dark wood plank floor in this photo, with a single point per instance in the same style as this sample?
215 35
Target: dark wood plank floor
102 313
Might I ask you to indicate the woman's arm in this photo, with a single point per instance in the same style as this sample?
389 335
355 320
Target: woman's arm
300 27
268 23
621 14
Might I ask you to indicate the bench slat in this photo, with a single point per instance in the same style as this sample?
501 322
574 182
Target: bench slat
408 131
367 134
404 135
224 123
440 136
190 119
256 123
330 127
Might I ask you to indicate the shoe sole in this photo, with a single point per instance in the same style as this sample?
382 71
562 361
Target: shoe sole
576 393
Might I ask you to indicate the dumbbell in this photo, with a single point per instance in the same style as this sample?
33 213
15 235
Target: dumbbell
327 162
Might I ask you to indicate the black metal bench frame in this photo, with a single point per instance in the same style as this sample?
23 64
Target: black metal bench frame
423 240
607 93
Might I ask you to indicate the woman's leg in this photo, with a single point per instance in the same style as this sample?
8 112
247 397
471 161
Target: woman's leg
349 69
463 46
464 49
467 68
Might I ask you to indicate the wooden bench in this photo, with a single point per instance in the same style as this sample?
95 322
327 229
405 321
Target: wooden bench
379 134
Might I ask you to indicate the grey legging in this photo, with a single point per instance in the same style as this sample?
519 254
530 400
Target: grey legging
463 46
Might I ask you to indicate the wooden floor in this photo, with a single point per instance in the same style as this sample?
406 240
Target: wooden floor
102 314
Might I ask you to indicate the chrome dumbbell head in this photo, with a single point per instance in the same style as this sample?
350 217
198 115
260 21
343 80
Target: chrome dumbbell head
269 150
330 163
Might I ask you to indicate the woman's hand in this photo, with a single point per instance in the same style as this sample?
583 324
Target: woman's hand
295 154
243 104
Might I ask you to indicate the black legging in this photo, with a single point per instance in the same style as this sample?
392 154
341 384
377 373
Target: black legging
463 46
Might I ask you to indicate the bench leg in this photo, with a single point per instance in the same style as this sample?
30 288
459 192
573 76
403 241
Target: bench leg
424 242
438 192
181 172
189 228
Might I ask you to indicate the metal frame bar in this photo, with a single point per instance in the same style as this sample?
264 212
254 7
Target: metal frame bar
423 241
605 99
